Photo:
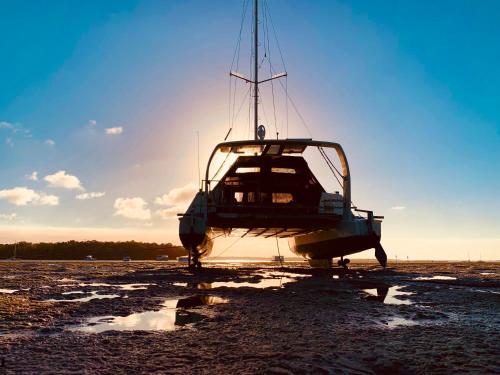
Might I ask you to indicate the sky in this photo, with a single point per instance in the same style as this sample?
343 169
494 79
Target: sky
101 103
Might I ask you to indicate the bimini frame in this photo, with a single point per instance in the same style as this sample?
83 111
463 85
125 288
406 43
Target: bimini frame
295 146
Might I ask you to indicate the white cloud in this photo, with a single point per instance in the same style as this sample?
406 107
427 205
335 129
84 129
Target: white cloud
92 123
132 208
398 208
114 131
8 217
178 196
178 199
63 180
9 142
170 213
33 176
90 195
6 125
47 200
50 142
21 196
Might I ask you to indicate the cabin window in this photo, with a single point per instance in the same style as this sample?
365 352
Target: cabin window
283 170
251 197
248 170
282 198
274 150
238 197
232 181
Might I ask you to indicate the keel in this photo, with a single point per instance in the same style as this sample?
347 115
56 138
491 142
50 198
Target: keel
381 255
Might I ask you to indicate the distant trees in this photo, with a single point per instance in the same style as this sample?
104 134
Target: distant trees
77 250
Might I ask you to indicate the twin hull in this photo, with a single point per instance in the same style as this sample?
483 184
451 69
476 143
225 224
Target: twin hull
346 236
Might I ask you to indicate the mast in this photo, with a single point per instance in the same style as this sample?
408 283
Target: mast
256 68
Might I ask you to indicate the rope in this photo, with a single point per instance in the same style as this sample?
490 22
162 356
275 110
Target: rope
279 254
266 33
228 247
322 152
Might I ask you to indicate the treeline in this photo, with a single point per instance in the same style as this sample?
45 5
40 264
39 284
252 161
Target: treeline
78 250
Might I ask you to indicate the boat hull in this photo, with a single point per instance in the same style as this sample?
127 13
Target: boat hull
347 238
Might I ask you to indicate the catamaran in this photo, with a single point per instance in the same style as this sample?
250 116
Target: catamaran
270 191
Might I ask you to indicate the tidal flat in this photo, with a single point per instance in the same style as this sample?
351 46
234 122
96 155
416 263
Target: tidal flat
255 318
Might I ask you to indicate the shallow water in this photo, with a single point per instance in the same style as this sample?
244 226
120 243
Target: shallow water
389 295
8 291
437 277
269 280
168 318
93 295
395 322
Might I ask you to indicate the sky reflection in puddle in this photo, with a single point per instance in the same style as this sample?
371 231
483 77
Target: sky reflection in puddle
268 280
388 295
395 322
93 295
8 291
168 318
436 277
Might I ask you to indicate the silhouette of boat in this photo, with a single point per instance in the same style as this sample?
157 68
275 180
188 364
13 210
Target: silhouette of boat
270 191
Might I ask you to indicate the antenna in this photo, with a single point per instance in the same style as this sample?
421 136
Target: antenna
255 81
199 173
256 69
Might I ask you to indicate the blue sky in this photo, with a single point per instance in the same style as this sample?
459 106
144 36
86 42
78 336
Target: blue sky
409 88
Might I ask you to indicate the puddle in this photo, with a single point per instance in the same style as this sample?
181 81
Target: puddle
8 291
486 291
269 280
136 286
168 318
93 295
437 277
67 280
395 322
487 273
388 295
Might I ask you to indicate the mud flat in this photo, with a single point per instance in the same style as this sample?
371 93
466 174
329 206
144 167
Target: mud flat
153 317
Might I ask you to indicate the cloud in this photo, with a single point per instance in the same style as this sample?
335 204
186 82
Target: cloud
178 196
92 123
169 213
9 142
21 196
6 125
114 131
398 208
63 180
178 199
132 208
33 176
47 200
90 195
50 142
8 217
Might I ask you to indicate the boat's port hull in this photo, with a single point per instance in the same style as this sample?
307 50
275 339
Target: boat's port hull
348 238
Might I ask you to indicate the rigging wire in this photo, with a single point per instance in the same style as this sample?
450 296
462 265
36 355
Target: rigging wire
278 247
228 247
236 58
268 54
328 163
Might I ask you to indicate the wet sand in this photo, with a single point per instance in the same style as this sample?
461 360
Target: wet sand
249 318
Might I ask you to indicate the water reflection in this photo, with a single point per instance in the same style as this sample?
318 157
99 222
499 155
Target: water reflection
395 322
388 295
261 281
8 291
93 295
436 277
171 315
